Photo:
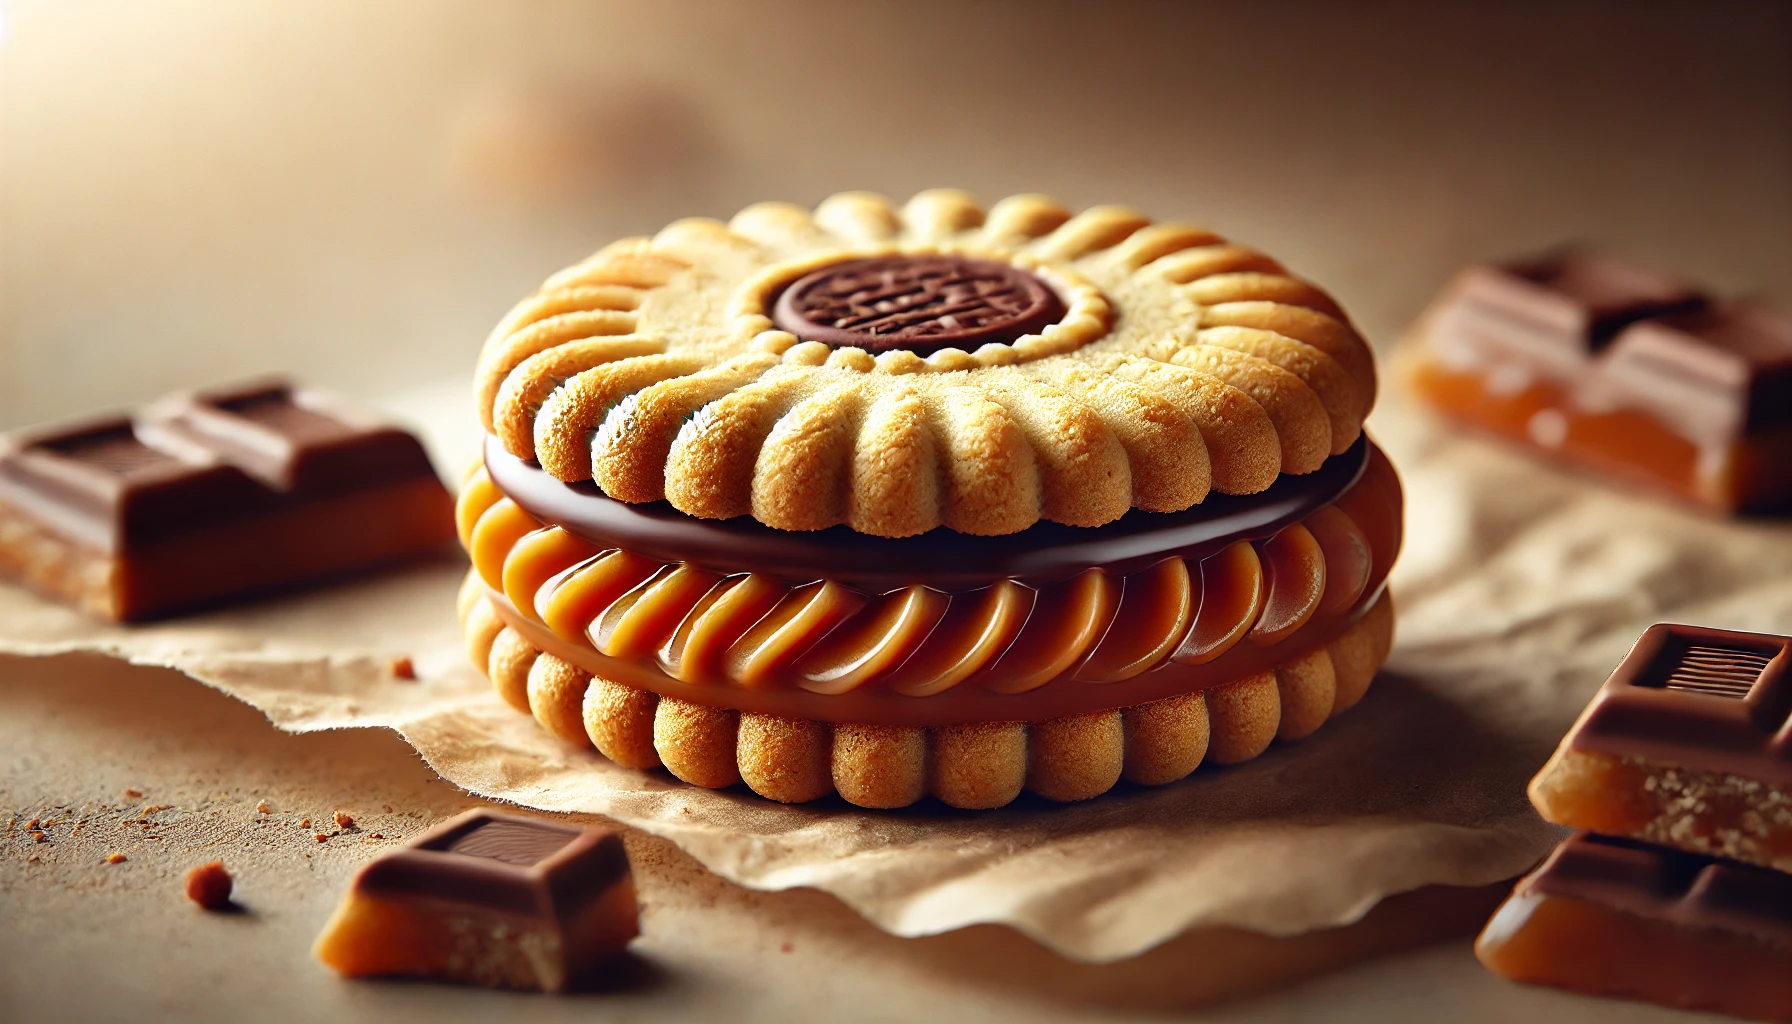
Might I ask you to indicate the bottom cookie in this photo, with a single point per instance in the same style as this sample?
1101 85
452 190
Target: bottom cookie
973 766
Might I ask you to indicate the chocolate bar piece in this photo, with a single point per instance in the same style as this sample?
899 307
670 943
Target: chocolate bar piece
488 899
1688 744
1618 368
1611 917
206 497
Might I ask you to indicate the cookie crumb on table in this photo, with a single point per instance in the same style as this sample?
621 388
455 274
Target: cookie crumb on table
116 858
209 885
262 807
321 837
133 793
343 820
304 822
402 668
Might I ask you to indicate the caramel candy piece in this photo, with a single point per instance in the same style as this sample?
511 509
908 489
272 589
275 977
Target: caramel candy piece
1610 917
488 899
209 497
1686 745
1620 369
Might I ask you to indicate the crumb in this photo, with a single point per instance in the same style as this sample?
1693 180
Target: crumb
41 837
376 835
787 948
31 859
401 668
321 837
132 793
343 820
262 807
31 826
115 858
304 822
209 885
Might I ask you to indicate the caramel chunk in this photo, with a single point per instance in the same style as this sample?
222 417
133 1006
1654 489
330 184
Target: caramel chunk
209 885
488 899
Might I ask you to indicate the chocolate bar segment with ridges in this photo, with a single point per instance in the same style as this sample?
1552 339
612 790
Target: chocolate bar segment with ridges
1555 312
1703 699
1619 368
1613 917
202 497
501 862
1714 372
1669 885
488 898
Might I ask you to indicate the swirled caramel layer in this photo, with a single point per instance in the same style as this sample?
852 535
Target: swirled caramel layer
821 649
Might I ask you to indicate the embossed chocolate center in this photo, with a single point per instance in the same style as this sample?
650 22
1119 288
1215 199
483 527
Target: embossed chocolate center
919 303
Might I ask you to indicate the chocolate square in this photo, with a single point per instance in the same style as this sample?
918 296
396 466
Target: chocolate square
1554 313
501 862
1657 883
1701 699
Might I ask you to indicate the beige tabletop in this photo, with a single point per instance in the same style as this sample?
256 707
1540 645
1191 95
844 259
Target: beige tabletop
193 192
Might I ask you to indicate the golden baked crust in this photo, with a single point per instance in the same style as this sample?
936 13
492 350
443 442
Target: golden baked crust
1180 364
974 766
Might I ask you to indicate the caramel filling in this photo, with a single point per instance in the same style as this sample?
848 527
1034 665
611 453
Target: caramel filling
1002 652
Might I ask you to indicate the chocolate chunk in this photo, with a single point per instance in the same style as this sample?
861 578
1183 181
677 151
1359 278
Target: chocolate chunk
1555 311
205 497
1606 294
918 303
488 899
1707 699
1621 369
1688 744
1716 373
1612 917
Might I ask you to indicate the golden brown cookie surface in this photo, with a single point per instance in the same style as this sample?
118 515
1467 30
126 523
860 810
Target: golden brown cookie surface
897 369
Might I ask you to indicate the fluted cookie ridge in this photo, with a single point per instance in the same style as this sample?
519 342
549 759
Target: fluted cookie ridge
1179 365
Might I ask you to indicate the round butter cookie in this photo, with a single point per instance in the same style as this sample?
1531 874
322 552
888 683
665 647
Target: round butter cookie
928 501
895 369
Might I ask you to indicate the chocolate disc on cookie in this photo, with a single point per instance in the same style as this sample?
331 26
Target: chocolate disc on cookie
928 501
918 303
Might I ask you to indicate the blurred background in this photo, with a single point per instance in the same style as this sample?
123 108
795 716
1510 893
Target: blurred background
353 191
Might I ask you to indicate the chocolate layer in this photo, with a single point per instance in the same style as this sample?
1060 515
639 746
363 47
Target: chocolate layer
1660 884
1701 699
487 860
919 303
942 559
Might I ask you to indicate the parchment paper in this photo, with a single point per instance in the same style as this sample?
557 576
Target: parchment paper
1518 590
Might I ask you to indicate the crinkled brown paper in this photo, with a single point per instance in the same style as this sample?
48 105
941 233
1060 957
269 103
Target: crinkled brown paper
1518 590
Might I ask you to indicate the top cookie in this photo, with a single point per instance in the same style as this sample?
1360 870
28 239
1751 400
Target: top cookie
895 370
